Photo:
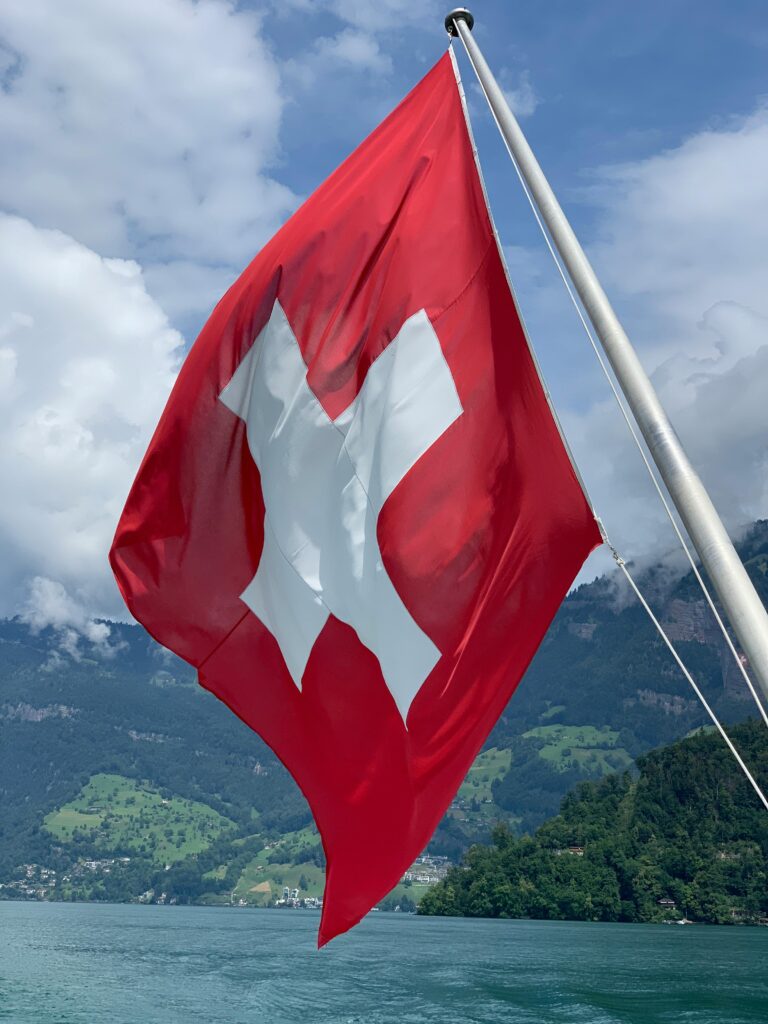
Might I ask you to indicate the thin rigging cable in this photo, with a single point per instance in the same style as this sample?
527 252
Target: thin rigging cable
624 413
620 561
621 564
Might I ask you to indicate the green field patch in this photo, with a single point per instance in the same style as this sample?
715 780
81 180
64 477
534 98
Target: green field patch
551 712
264 878
300 840
216 873
413 892
587 746
290 845
242 840
701 730
262 883
119 814
69 819
601 762
487 767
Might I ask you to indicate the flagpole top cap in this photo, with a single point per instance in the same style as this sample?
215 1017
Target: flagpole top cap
458 14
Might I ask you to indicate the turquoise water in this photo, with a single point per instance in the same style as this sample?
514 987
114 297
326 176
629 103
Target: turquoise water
92 964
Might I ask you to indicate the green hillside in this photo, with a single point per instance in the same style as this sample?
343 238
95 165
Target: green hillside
139 715
294 860
114 813
685 838
121 756
602 664
585 746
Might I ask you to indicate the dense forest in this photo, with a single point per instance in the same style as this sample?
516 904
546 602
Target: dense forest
684 837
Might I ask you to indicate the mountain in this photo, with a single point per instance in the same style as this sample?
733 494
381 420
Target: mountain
685 839
138 716
117 753
603 664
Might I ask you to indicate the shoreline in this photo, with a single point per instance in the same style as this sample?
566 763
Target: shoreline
391 913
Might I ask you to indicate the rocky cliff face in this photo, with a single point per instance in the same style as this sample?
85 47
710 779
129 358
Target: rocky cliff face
27 713
692 621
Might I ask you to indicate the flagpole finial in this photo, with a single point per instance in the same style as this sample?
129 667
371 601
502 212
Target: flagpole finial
458 14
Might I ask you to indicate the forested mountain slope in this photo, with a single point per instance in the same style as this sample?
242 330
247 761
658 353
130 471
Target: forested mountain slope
601 690
686 838
139 714
602 664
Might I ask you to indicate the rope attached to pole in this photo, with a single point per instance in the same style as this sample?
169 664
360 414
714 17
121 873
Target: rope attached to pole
622 565
619 401
619 560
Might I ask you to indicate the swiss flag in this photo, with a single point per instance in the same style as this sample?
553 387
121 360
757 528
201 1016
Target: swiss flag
357 517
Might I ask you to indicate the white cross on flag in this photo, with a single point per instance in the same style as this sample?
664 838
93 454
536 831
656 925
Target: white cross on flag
324 483
357 517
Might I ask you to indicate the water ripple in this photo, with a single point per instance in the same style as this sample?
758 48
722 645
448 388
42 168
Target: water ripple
96 964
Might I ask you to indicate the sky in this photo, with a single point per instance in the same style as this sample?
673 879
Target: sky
149 149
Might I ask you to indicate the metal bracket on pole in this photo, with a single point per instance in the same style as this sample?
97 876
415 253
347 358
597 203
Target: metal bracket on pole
453 16
739 598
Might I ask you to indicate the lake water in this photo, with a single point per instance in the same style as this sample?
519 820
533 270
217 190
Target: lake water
97 964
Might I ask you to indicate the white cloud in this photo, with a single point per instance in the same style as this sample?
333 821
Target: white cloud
188 291
521 96
347 56
363 45
142 128
145 130
382 17
8 363
151 131
518 92
355 49
687 228
49 605
93 360
385 17
683 251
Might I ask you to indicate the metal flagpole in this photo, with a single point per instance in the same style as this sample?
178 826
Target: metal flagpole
710 538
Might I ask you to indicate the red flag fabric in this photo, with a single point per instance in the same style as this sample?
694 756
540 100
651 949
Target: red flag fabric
357 517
